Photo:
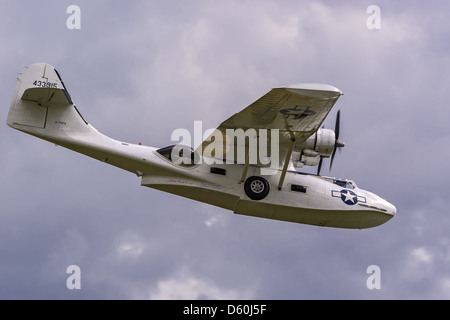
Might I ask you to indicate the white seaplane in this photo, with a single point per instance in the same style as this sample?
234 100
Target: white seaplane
287 118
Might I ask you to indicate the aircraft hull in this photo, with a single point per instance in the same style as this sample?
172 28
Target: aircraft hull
317 206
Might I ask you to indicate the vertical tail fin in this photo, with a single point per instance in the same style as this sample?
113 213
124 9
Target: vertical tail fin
41 104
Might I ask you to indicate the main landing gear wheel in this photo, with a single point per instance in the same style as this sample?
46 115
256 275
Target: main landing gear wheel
256 188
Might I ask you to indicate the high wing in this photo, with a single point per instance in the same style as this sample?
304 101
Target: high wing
296 111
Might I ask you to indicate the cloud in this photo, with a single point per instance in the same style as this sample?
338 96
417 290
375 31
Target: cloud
186 287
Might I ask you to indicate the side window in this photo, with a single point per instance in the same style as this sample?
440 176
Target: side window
190 159
350 185
166 152
344 183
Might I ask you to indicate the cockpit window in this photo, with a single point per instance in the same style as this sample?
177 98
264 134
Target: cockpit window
180 155
344 183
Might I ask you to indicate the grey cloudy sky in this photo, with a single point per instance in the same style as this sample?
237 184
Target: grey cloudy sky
140 69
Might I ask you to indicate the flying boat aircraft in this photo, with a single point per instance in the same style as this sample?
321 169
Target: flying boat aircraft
228 169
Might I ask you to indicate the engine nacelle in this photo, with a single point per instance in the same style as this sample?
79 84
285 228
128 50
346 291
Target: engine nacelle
322 141
320 144
300 159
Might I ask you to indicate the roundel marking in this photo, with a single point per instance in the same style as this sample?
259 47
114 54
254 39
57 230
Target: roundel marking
349 197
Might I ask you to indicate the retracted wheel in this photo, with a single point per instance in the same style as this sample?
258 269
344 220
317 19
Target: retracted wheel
256 188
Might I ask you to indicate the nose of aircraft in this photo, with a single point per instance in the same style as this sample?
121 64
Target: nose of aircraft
383 211
389 207
392 210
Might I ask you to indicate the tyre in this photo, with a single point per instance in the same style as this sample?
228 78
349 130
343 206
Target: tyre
256 188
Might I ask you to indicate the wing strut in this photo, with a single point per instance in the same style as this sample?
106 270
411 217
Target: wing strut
244 171
286 161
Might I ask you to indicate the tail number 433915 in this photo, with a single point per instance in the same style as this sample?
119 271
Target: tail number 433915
45 84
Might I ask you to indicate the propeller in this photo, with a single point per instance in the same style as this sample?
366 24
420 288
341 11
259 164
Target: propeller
337 144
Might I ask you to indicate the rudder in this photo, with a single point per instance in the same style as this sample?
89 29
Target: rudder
38 87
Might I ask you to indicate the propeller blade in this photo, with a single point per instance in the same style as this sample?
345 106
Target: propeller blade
338 124
320 166
337 143
332 157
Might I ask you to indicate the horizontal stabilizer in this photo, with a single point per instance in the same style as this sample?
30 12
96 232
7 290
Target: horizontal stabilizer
41 83
47 96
